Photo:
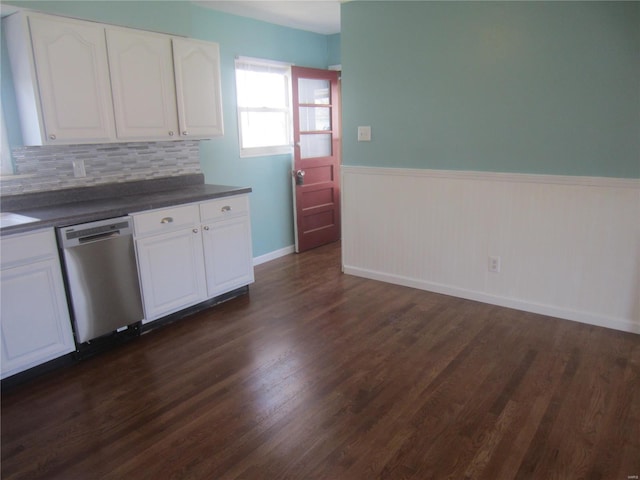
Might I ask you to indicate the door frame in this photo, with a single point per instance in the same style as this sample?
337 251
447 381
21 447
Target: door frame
336 144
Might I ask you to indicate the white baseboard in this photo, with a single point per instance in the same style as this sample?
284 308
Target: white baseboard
548 310
267 257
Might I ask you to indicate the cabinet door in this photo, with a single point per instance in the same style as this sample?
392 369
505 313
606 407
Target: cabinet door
171 268
35 319
228 254
197 74
73 77
143 85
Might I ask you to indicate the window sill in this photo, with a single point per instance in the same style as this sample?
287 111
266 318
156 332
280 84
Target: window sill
266 151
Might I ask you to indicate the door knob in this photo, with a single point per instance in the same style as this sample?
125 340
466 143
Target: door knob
300 177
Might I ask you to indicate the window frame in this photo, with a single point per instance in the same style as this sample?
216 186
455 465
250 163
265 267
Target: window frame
261 151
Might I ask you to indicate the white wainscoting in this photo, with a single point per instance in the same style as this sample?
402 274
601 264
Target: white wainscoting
569 246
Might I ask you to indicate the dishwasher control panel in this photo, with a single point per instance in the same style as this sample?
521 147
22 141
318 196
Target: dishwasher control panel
78 234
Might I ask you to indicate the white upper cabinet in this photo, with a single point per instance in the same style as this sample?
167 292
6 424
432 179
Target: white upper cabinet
70 61
142 80
86 82
197 74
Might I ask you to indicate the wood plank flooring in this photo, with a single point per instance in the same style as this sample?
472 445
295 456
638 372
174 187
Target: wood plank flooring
319 375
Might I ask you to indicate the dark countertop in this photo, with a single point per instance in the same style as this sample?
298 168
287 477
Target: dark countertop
80 205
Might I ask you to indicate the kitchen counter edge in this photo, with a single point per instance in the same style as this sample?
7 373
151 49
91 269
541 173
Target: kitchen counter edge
72 213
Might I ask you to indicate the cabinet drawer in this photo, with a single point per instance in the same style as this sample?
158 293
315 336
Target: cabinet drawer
165 220
224 208
32 246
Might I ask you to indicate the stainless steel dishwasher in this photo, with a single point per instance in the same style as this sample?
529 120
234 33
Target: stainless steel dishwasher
102 277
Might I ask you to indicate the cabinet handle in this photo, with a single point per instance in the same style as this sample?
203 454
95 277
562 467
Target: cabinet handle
185 133
52 136
206 228
171 133
195 230
167 220
226 208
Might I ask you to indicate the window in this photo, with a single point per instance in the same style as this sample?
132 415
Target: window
264 112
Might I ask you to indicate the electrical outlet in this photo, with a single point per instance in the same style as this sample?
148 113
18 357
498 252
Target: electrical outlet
78 168
494 264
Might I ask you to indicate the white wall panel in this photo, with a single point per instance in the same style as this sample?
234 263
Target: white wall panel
569 246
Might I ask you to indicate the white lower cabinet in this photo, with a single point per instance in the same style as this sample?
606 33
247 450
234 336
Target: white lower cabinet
190 253
33 309
170 260
171 272
227 245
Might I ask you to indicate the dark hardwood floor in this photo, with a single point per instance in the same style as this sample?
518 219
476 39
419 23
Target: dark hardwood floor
320 375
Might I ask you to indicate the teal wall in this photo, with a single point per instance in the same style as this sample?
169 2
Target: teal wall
532 87
269 177
333 49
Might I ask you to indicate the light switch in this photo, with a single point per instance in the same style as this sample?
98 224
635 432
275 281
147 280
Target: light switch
364 134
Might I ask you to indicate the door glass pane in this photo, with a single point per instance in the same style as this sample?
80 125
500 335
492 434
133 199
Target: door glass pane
315 145
311 90
315 118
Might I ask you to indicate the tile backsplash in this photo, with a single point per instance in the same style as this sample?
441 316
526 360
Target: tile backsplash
51 167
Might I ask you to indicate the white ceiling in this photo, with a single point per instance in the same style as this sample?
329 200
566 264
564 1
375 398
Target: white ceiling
319 16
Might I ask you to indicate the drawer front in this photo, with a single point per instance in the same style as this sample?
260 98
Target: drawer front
165 220
226 207
26 247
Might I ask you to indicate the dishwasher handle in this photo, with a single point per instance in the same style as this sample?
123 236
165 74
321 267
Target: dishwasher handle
97 238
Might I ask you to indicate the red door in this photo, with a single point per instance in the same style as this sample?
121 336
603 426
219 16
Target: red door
316 162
